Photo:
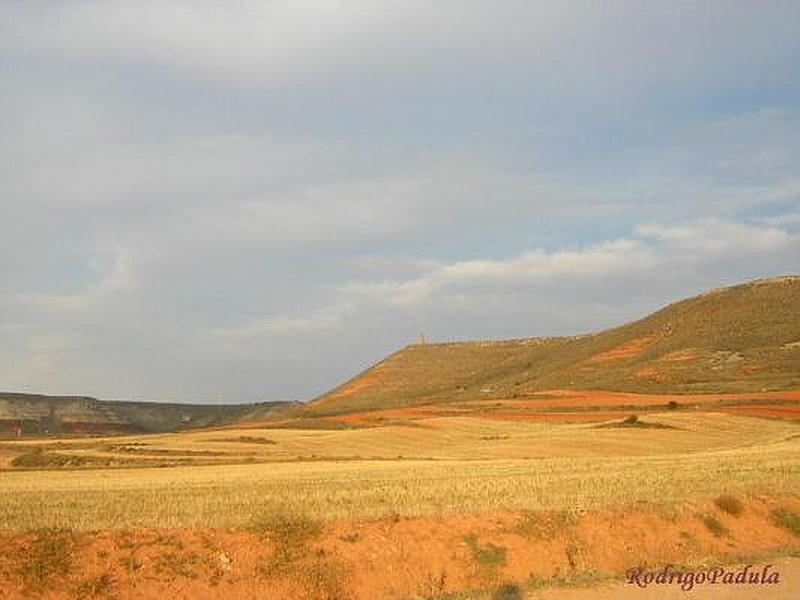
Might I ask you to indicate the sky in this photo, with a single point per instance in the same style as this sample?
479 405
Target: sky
246 201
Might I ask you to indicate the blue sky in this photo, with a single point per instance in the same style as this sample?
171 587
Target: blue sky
243 201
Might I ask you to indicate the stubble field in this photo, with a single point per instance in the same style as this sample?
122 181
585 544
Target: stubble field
527 500
440 466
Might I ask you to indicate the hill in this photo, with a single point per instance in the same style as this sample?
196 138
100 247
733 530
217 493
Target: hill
35 414
744 338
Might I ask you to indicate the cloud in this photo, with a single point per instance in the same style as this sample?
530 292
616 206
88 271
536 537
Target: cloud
659 247
714 236
688 248
534 267
567 58
282 325
234 200
118 279
236 39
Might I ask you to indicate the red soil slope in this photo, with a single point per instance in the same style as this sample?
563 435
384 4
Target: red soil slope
390 558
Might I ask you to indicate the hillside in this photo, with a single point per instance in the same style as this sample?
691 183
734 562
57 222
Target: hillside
744 338
34 414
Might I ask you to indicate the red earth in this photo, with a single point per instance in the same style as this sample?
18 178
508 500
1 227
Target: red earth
582 406
393 558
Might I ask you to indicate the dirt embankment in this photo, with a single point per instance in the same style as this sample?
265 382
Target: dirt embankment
288 556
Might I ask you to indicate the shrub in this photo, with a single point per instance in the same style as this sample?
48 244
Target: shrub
489 555
325 578
290 534
288 530
95 586
714 526
730 504
49 557
787 519
508 591
543 526
575 555
249 439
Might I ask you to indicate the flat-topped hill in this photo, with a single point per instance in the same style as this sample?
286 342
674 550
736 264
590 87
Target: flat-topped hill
736 339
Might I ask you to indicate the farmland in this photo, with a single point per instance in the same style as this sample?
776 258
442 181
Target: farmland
531 495
444 471
442 467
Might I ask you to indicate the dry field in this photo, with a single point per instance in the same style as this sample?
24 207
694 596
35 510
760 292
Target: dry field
441 465
456 486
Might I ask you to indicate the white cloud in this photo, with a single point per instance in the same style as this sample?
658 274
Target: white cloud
532 268
203 195
689 247
714 236
281 325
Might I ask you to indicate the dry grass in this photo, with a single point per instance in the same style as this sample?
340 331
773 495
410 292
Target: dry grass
488 555
100 586
441 438
715 526
730 504
289 533
509 591
46 560
236 495
787 518
543 526
447 468
293 558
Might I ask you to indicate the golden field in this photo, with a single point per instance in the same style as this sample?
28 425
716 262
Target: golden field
415 503
437 466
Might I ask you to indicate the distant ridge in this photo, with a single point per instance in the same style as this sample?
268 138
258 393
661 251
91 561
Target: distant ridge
733 339
37 414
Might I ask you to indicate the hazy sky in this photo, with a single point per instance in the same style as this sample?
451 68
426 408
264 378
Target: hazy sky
241 201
